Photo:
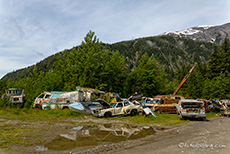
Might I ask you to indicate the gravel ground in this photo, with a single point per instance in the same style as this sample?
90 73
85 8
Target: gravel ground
211 136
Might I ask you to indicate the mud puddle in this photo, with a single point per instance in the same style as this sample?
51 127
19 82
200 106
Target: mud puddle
91 135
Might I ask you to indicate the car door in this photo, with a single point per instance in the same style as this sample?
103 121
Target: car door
118 108
127 107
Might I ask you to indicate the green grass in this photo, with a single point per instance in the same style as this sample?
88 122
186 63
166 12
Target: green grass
214 114
52 115
33 113
17 125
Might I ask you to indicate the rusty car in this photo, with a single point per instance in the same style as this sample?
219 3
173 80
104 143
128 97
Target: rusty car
165 103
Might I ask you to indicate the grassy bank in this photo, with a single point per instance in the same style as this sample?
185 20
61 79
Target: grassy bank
37 114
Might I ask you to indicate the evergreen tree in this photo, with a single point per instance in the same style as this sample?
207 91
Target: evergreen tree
220 60
147 78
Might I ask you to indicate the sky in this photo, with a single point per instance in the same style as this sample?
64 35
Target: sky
31 30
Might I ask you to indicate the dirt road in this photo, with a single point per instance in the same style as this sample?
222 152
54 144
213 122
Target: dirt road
62 137
211 136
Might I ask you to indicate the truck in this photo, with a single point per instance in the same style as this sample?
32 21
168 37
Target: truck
166 103
57 99
15 95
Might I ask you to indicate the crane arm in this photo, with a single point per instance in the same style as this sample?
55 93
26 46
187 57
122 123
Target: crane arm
185 78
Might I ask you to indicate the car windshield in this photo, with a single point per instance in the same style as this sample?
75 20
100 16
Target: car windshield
41 96
113 104
114 95
191 104
48 96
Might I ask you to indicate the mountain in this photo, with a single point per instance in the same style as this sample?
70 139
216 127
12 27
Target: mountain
171 50
212 34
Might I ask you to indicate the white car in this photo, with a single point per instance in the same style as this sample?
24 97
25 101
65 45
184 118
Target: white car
190 108
118 108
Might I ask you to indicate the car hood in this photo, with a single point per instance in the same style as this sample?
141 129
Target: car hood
103 102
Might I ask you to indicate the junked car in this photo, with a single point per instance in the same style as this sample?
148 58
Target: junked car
57 99
190 108
166 103
88 107
15 95
118 108
225 104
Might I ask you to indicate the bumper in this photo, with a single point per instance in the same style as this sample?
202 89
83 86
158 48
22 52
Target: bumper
193 115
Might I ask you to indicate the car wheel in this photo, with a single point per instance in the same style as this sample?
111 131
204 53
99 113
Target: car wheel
133 112
65 107
107 114
202 119
38 106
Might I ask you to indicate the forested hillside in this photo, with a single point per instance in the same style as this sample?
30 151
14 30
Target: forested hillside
212 80
170 53
153 65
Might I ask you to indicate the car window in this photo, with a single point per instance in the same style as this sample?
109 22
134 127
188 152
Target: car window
119 105
41 96
47 96
113 104
126 103
16 99
114 95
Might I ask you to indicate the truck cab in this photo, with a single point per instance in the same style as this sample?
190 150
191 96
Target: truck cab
16 96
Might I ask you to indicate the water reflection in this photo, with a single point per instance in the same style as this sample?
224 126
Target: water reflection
95 134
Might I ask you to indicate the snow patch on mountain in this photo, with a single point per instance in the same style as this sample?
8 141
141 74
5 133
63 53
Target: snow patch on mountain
205 26
189 31
207 33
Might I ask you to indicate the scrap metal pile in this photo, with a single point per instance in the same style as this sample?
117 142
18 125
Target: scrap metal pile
101 104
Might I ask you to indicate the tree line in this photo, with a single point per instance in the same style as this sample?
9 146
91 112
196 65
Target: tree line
211 80
92 65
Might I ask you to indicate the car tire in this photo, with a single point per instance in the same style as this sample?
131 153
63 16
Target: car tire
65 107
107 114
133 112
202 119
38 106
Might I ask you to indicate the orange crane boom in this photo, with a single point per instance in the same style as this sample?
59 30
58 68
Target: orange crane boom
184 79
